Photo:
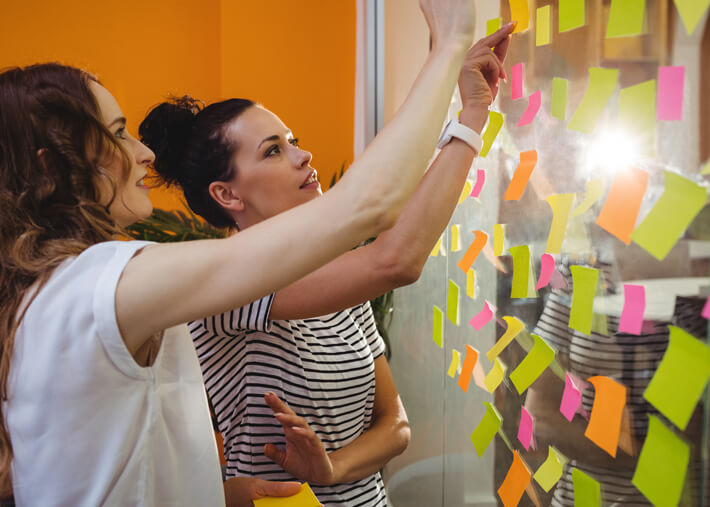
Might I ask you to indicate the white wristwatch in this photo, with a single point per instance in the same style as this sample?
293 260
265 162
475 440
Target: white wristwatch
467 135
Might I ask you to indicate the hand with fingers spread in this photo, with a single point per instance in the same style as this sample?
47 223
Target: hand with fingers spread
305 456
241 491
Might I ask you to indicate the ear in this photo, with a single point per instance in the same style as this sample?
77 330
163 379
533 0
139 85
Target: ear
224 195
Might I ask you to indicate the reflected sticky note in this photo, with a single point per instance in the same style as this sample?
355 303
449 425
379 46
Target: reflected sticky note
438 248
621 208
681 377
480 240
471 284
557 281
525 428
551 470
493 25
543 25
547 266
495 376
593 191
605 421
455 238
516 83
681 201
528 161
671 82
587 491
534 102
495 122
514 328
584 287
498 239
559 98
571 14
480 181
454 365
691 12
519 12
486 429
466 191
602 83
537 360
625 18
662 465
571 398
483 317
706 168
706 309
304 498
561 205
637 114
438 329
452 303
632 314
515 482
467 369
521 272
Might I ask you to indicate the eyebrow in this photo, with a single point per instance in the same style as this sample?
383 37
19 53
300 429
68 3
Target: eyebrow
275 137
120 119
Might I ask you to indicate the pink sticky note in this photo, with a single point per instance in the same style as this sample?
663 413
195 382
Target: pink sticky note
516 88
634 305
483 317
547 267
571 398
670 93
480 180
557 281
533 107
525 430
706 310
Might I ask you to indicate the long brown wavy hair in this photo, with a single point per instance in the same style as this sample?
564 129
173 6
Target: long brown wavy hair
52 144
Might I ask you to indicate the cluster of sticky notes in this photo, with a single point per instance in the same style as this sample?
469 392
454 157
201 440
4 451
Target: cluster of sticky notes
304 498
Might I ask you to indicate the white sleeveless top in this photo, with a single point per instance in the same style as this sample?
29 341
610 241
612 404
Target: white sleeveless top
88 425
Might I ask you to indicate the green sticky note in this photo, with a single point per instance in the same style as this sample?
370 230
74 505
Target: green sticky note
587 491
602 83
561 205
571 14
559 97
662 464
551 470
493 25
495 122
691 11
625 18
495 376
584 287
452 303
539 358
681 201
637 114
486 429
438 330
681 377
521 271
542 25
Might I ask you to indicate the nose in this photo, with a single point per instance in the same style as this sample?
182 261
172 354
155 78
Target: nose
144 155
303 158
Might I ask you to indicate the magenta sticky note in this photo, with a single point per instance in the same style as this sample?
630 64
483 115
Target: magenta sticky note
533 107
516 86
483 317
547 267
571 398
706 310
671 81
525 430
480 180
632 314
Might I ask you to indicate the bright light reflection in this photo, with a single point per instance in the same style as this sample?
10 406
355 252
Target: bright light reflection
611 151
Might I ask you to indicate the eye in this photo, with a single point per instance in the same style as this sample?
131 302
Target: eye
121 133
294 142
272 150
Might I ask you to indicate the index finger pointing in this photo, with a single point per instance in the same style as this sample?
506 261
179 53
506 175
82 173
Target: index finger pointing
496 37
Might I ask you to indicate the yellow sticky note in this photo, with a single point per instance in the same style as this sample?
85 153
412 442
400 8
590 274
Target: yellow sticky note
519 12
706 168
551 470
602 83
486 429
637 115
455 238
521 286
542 25
530 368
495 376
571 14
452 303
625 18
304 498
454 365
498 239
495 122
593 193
691 12
466 191
471 284
514 328
561 205
584 287
438 248
438 327
493 25
559 98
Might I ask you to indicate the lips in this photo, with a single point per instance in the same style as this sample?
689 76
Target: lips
141 183
311 178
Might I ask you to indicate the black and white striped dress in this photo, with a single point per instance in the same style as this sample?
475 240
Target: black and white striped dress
323 368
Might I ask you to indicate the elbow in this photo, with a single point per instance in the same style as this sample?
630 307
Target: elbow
401 268
404 435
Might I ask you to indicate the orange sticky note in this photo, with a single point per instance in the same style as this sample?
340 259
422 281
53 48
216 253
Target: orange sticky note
467 369
618 216
605 422
480 240
519 12
515 482
528 161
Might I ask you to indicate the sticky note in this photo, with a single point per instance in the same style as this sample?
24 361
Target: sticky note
495 376
513 329
471 284
547 266
691 12
662 465
622 205
483 317
571 398
706 168
486 429
493 25
593 191
584 287
495 122
480 181
438 248
671 82
608 408
551 470
637 115
498 239
528 161
525 428
681 377
561 205
452 303
534 102
438 330
515 482
602 83
519 12
587 491
530 368
559 97
480 240
571 14
304 498
681 201
466 191
706 310
516 83
632 314
454 365
455 238
625 18
557 281
521 271
467 369
542 25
